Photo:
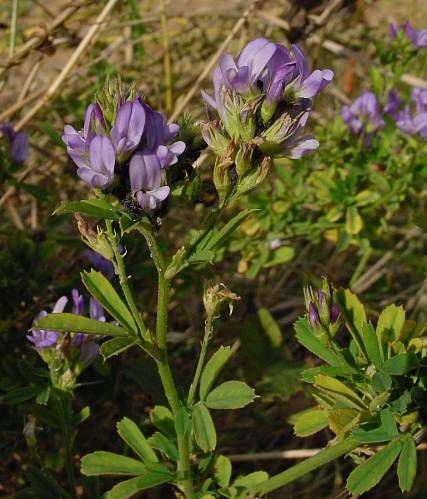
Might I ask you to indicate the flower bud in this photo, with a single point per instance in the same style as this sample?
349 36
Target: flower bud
322 312
95 240
215 296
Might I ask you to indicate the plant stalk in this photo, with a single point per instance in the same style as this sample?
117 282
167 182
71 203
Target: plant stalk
205 342
184 464
310 464
123 278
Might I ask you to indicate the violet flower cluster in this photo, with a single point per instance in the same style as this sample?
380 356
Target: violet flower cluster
260 107
137 145
17 142
269 78
418 39
365 115
79 347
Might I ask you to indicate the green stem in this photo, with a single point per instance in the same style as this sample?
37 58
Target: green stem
310 464
64 413
184 464
124 282
205 342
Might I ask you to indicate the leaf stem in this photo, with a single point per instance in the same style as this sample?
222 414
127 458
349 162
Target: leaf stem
298 470
124 282
205 342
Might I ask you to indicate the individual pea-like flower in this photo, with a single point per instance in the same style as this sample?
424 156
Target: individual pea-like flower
322 311
99 170
145 174
285 137
78 143
159 136
287 77
17 143
363 117
128 127
43 338
417 38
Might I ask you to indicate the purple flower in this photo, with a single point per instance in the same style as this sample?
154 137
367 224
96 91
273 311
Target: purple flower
87 344
78 144
145 179
100 263
363 115
18 143
412 119
100 170
393 104
158 134
78 302
418 38
290 70
285 137
128 127
419 98
43 338
243 76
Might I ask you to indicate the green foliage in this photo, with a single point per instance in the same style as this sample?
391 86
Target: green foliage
230 395
71 323
374 394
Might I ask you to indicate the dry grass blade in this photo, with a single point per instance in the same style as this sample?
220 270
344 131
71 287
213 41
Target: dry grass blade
67 68
214 59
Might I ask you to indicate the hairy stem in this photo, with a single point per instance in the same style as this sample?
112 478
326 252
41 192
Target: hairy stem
123 278
205 342
310 464
184 464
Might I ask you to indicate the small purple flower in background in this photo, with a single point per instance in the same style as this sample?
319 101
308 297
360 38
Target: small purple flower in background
419 98
145 179
412 119
42 338
78 302
18 143
98 262
82 347
363 116
418 38
86 344
393 104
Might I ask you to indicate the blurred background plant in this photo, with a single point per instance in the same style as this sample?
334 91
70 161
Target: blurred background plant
343 211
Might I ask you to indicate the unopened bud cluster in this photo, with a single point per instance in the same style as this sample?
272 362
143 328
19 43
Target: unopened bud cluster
322 311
